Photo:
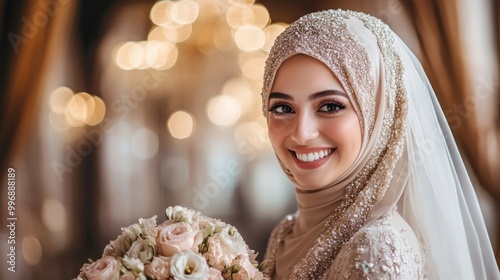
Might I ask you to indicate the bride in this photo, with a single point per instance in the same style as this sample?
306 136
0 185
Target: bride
381 189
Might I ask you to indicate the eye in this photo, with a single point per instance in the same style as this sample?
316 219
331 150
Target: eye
281 109
332 107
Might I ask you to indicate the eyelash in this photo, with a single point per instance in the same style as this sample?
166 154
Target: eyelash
275 107
338 107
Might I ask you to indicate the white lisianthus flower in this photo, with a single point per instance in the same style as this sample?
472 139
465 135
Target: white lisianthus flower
181 214
188 265
148 226
133 265
142 250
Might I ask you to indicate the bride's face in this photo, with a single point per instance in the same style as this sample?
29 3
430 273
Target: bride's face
313 127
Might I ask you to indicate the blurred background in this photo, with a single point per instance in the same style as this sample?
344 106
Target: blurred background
113 110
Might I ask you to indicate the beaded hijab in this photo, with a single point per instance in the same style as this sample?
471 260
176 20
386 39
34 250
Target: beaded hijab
325 36
369 66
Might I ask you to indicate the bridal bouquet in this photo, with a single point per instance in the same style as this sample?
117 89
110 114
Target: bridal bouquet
187 245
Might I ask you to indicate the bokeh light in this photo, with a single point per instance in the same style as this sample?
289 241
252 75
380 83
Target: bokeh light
160 13
32 250
58 99
271 32
223 110
241 92
185 11
129 56
76 110
99 112
249 38
180 125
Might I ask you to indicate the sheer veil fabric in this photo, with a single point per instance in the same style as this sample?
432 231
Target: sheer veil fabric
408 159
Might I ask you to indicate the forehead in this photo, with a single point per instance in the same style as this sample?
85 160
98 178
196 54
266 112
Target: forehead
301 73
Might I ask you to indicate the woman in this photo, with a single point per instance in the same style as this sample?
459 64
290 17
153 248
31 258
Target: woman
381 189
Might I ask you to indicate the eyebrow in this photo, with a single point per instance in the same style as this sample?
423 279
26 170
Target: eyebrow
316 95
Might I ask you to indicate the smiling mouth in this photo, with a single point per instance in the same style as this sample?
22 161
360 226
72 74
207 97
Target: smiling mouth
309 157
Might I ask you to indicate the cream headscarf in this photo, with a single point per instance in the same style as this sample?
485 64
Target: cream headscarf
370 62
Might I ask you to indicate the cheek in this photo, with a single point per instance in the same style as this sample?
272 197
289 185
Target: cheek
277 128
348 133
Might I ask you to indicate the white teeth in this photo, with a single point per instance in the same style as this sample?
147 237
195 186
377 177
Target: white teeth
306 157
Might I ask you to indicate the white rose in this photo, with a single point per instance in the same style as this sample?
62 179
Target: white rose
158 269
102 269
188 265
142 250
178 237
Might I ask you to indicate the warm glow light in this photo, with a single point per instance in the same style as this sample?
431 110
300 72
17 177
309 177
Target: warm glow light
167 56
252 65
144 144
180 125
76 110
129 56
241 92
241 2
185 11
223 110
32 250
58 99
249 38
237 16
173 33
54 215
89 104
160 13
272 31
209 9
259 16
99 112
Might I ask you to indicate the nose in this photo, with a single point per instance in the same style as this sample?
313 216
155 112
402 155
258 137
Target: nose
306 129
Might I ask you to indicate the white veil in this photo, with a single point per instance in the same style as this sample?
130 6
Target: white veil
439 201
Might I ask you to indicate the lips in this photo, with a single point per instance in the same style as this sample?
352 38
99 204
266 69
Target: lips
313 156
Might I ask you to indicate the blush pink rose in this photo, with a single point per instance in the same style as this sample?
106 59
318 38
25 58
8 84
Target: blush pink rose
247 269
158 269
128 276
214 274
102 269
177 237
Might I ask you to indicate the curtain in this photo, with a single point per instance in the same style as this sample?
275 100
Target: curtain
26 52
